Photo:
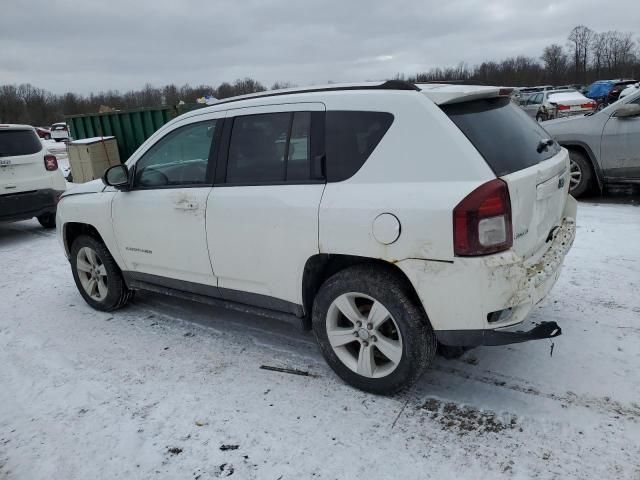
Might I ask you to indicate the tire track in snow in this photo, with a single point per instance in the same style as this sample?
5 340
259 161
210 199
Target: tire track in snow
604 405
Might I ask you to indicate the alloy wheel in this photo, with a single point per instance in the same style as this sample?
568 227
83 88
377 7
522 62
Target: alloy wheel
364 335
575 175
92 273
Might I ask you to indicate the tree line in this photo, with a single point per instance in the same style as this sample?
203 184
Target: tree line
586 56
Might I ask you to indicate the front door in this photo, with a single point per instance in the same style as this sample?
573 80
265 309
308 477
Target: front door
160 223
262 217
620 152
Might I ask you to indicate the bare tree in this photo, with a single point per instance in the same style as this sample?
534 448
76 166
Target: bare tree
580 40
555 63
598 52
282 85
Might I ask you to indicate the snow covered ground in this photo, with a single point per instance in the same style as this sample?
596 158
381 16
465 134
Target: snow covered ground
172 389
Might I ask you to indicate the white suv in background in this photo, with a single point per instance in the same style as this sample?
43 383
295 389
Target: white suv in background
30 180
389 217
60 132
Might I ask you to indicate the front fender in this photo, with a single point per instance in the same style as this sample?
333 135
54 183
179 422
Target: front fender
92 209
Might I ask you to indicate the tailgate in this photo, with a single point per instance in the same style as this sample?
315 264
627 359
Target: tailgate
538 197
23 173
21 161
521 153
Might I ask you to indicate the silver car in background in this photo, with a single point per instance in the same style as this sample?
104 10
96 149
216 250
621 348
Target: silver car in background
604 146
558 103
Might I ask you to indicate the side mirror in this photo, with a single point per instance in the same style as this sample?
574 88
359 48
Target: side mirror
117 177
628 110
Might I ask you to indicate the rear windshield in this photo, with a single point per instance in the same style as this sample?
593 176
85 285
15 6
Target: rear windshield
19 142
59 127
503 133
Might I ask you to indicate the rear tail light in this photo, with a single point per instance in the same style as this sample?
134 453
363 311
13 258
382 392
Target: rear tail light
50 163
588 105
564 107
482 221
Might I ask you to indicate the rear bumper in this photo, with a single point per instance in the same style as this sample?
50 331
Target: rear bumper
486 300
25 205
505 336
573 113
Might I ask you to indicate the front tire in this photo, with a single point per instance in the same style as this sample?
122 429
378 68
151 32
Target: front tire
580 174
47 220
371 331
97 275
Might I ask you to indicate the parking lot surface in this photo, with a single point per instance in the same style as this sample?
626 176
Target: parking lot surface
172 389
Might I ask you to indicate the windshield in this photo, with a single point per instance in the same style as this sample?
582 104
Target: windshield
503 134
18 142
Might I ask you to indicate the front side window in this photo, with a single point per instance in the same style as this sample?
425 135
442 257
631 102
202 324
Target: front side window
179 159
270 148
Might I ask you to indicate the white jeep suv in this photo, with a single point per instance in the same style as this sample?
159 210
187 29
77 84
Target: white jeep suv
389 217
30 180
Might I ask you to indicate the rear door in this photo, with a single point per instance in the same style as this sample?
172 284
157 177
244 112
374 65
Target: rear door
262 217
21 162
620 146
520 153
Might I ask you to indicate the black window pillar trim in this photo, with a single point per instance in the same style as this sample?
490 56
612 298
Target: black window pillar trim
222 158
317 163
286 147
213 151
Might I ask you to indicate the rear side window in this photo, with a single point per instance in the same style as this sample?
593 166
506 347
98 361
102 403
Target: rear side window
19 142
270 148
257 148
503 133
351 136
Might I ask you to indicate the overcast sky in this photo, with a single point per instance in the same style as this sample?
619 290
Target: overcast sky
83 46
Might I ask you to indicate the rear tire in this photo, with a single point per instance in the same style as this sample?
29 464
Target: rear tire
580 174
47 220
394 342
97 276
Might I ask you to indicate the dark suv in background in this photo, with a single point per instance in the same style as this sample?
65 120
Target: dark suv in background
606 92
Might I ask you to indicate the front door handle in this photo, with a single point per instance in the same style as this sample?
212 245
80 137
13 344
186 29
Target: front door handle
186 205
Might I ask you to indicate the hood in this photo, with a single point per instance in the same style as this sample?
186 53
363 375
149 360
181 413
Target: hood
94 186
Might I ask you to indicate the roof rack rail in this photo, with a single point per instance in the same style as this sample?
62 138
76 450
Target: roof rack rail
388 85
453 82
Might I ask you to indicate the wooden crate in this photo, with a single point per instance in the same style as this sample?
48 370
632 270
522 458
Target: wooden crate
90 157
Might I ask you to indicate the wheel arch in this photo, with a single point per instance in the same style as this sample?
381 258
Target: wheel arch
320 267
72 230
588 153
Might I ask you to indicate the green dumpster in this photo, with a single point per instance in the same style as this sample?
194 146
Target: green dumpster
130 127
